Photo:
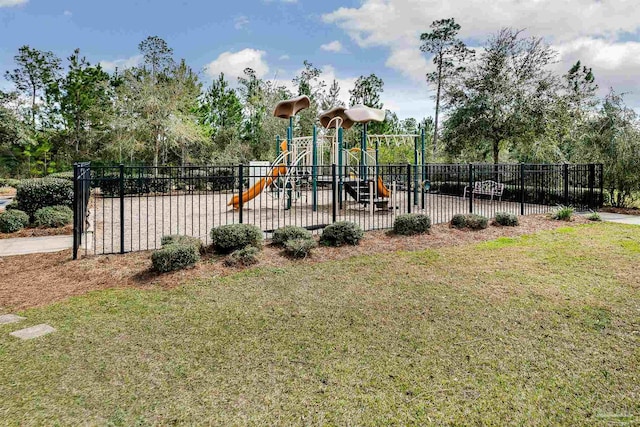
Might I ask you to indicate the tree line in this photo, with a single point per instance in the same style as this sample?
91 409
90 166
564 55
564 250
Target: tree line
503 103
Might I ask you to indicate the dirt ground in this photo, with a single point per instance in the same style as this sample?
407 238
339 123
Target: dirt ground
41 279
39 232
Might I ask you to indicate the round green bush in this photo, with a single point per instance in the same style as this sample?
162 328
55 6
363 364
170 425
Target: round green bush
470 221
507 219
175 256
290 232
53 216
228 238
411 224
13 220
341 233
300 247
245 256
34 194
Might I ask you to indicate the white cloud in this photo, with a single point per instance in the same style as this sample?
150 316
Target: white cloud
284 57
233 64
11 3
589 30
121 64
67 13
334 46
241 22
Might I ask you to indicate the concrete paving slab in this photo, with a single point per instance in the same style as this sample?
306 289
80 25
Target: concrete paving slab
620 218
34 245
33 332
6 319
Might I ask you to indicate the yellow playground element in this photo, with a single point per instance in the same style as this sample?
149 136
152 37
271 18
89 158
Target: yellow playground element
257 188
383 191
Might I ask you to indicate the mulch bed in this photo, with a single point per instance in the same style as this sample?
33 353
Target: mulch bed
41 279
624 211
39 232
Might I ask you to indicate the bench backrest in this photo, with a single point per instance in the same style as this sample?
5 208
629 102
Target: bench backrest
488 187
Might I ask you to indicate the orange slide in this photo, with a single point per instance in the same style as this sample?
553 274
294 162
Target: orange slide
257 187
383 191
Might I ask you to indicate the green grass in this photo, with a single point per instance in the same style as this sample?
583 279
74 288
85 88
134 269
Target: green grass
537 330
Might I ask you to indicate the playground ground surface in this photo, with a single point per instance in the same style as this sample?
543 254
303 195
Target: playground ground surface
497 327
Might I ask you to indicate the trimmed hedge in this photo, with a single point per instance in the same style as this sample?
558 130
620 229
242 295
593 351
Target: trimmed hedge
184 240
282 235
34 194
300 247
470 221
245 256
411 224
9 182
68 175
507 219
53 216
175 256
13 220
341 233
228 238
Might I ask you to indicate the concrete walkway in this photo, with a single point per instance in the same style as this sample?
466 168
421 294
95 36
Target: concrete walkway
34 245
620 218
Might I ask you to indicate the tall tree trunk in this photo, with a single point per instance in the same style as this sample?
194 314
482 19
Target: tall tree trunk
496 152
33 108
435 127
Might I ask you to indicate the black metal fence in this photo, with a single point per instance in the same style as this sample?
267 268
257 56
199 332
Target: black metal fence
121 208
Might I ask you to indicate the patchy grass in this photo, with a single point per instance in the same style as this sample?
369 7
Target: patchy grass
539 330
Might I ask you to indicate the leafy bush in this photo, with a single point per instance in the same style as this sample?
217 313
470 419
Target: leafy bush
175 256
9 182
228 238
13 220
563 213
53 216
300 247
245 256
183 240
470 221
34 194
12 206
410 224
341 233
68 175
507 219
290 232
595 217
110 184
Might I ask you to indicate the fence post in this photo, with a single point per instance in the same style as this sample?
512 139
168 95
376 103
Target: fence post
408 188
601 200
470 187
121 208
565 180
592 183
240 187
522 196
334 193
75 211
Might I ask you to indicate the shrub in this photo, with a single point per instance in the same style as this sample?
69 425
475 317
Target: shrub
341 233
595 216
9 182
410 224
68 175
507 219
470 221
245 256
175 256
53 216
228 238
13 220
299 248
183 240
12 206
563 213
290 232
34 194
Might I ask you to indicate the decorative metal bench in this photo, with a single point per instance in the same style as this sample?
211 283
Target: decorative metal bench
487 188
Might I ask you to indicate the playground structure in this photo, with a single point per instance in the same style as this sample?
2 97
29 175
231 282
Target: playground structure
304 162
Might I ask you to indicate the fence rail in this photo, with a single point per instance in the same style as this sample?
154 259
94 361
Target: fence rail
119 209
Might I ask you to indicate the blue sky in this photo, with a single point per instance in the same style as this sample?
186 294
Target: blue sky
359 37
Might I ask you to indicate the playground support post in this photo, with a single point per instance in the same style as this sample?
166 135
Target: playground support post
240 190
377 163
334 193
340 168
470 187
363 153
415 175
423 169
277 146
314 171
289 145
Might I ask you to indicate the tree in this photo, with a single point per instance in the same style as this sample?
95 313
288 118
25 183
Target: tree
449 53
367 91
157 55
502 99
220 106
332 98
35 72
309 84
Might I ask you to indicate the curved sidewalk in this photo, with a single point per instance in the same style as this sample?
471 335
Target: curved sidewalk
34 245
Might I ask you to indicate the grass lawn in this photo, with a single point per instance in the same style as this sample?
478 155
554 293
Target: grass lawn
541 329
